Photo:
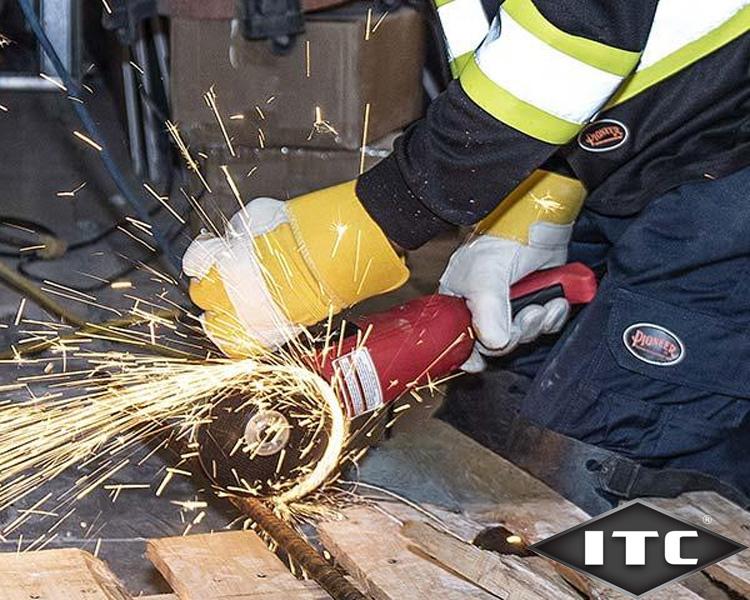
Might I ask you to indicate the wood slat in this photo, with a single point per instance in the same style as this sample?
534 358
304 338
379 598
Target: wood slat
504 576
368 545
230 564
713 512
540 512
68 574
487 488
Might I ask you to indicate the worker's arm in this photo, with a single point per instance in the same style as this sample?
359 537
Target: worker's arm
531 228
543 71
529 231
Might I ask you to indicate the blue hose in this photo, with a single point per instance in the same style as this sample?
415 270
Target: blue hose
74 91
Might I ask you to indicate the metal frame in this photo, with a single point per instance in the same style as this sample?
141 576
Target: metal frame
59 19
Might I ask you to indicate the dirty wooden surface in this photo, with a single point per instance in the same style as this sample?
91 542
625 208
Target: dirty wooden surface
504 576
231 564
69 574
368 545
433 464
710 510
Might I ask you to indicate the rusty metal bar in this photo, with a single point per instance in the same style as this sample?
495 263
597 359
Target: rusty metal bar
299 550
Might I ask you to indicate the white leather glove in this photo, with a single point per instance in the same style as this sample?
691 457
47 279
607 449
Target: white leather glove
227 280
283 265
529 231
483 270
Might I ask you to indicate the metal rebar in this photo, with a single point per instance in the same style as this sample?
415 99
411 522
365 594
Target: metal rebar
325 575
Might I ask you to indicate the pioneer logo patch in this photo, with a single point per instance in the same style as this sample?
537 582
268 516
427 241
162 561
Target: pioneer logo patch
653 344
637 548
603 136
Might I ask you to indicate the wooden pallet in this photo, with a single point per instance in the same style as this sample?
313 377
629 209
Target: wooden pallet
390 551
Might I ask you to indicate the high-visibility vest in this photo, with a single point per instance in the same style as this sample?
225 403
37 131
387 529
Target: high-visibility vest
632 97
530 74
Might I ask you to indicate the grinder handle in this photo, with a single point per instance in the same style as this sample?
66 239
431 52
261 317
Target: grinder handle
427 339
574 281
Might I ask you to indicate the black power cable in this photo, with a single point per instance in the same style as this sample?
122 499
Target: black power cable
92 130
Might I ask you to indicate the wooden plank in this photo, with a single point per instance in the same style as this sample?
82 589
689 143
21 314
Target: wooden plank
368 545
230 564
713 512
504 576
434 460
68 574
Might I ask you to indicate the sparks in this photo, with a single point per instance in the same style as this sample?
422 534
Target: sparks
547 204
53 81
88 140
71 193
211 100
320 125
340 229
185 152
365 128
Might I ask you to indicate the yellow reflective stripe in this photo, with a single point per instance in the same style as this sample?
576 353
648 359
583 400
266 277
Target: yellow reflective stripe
682 58
439 3
607 58
459 64
513 111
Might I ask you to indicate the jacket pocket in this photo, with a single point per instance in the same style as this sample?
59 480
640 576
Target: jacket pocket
667 343
669 381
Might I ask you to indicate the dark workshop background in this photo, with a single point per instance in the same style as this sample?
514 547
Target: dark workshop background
296 121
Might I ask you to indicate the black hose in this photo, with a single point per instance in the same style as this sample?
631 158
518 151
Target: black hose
93 132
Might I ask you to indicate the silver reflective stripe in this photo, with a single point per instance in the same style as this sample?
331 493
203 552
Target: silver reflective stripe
539 74
464 26
678 23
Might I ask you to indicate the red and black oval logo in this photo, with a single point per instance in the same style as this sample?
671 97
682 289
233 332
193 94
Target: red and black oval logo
654 344
603 136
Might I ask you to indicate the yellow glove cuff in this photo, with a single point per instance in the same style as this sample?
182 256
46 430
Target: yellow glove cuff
543 196
330 256
345 249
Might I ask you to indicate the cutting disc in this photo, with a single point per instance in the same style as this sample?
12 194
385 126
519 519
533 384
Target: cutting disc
265 448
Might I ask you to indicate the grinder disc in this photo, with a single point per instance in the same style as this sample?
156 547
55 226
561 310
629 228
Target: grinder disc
262 449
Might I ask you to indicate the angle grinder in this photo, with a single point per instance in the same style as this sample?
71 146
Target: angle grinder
265 449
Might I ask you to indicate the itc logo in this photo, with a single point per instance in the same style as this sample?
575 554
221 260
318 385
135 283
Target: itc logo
637 548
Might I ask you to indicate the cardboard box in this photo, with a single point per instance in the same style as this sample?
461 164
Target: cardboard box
315 96
281 173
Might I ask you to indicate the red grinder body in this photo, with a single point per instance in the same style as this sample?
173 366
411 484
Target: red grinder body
427 339
261 450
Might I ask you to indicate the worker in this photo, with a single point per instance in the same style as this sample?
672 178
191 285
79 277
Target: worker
615 133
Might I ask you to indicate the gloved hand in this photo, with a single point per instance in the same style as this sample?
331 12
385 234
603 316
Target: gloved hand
530 230
284 265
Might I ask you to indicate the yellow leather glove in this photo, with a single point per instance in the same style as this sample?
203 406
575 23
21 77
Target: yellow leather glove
284 265
529 230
